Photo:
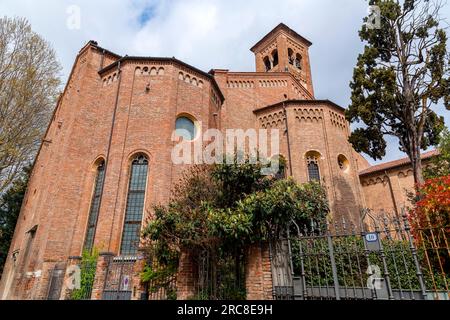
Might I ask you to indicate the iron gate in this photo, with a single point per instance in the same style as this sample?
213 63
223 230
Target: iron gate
378 260
118 282
56 282
221 274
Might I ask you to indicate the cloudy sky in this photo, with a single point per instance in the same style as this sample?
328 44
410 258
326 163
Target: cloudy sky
208 33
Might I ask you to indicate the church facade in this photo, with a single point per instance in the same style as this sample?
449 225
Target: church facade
106 157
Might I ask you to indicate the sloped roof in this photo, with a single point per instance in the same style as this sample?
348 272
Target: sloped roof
312 101
285 28
396 163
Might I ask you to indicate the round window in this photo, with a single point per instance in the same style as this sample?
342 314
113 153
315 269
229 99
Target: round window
343 163
185 128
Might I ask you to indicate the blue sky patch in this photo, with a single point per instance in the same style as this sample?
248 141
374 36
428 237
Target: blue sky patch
146 15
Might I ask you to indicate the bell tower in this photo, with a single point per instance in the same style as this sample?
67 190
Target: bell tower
284 50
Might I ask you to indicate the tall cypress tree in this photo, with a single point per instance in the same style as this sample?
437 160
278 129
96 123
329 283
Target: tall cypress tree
403 73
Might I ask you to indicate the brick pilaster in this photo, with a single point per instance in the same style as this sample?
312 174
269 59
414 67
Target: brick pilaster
136 284
187 276
258 275
104 259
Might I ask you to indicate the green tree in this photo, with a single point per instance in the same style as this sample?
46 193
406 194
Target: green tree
401 75
440 165
10 204
223 209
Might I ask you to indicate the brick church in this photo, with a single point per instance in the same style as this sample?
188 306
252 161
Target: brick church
105 160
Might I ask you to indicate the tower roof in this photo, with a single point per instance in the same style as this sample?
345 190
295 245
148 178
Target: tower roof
285 28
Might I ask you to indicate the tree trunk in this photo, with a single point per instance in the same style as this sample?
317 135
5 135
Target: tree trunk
416 162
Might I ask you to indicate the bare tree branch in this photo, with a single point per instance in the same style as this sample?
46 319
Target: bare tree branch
29 84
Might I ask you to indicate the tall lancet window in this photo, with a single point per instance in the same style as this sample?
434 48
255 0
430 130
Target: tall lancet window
312 161
95 207
135 206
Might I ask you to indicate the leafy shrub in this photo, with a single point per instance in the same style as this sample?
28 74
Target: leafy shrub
221 209
88 267
430 221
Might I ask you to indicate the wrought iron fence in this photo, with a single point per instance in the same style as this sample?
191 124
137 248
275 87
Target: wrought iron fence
163 287
56 282
221 275
382 258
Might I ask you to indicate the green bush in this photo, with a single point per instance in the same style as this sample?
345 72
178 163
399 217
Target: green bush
221 210
88 268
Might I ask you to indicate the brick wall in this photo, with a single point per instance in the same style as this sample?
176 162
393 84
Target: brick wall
386 191
118 113
258 274
187 276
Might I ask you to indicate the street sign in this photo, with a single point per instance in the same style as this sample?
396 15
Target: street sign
372 241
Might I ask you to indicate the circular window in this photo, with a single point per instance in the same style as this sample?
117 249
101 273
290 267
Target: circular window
185 128
343 163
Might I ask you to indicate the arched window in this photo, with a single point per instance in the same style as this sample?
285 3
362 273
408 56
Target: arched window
95 207
185 127
275 57
312 161
135 206
298 61
291 56
267 63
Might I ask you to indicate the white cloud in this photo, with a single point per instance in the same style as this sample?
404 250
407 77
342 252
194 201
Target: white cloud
209 33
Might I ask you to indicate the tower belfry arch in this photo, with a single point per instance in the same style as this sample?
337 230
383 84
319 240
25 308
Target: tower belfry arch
284 50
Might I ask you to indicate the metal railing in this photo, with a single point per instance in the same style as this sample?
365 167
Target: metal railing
382 258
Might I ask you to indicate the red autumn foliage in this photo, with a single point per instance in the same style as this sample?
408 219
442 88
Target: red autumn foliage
430 218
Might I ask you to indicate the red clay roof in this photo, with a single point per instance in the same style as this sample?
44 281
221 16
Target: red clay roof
396 163
288 30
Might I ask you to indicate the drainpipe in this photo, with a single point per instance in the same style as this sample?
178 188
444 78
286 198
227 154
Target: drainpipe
392 193
109 150
287 138
102 61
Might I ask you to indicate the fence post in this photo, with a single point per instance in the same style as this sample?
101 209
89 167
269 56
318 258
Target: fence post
333 264
385 266
414 254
